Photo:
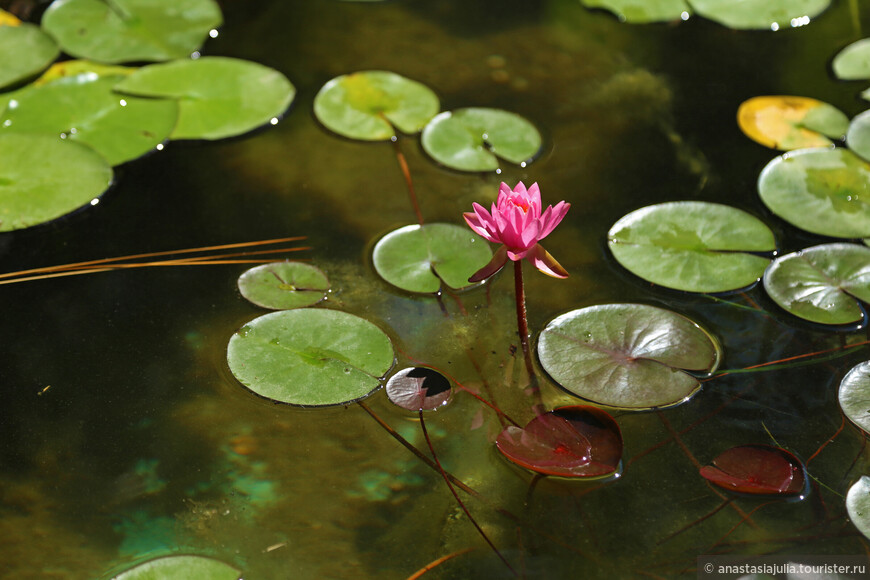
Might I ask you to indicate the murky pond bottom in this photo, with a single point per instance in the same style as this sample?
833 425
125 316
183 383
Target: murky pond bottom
123 433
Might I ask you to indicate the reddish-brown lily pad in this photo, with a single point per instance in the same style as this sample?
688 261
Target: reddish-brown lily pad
757 470
419 389
575 441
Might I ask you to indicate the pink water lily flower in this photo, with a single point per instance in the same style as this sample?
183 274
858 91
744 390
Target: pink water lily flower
517 223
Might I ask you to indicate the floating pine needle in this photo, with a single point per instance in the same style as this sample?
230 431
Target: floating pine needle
142 260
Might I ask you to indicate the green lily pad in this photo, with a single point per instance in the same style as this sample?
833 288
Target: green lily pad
858 505
367 105
181 568
822 284
84 108
33 191
473 139
692 246
419 258
858 136
865 95
131 30
310 357
217 96
26 50
854 395
853 62
643 11
284 285
788 122
760 14
823 191
628 356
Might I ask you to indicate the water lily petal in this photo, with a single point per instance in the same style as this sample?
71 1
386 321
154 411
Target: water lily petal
535 199
482 223
552 217
530 230
546 263
499 259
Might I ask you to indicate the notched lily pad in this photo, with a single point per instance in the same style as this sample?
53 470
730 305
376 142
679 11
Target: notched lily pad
284 285
642 11
823 191
628 356
760 14
858 136
85 108
574 441
182 567
757 470
474 139
419 258
26 50
217 97
854 395
692 246
33 191
131 30
822 284
367 105
419 389
858 505
853 62
788 122
310 357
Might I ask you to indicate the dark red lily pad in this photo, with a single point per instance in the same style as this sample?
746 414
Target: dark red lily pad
757 470
575 441
419 389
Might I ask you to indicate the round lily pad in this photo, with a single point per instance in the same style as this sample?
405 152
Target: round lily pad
822 284
823 191
182 567
284 285
853 62
574 441
367 105
642 11
420 258
693 246
217 96
474 139
33 191
787 122
131 30
84 108
419 389
310 357
757 470
854 395
26 50
858 136
858 505
760 14
628 356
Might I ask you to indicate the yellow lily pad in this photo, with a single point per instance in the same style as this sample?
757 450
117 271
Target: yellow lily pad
788 122
7 19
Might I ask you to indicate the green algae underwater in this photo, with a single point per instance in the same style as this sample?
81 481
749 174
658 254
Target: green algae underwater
125 435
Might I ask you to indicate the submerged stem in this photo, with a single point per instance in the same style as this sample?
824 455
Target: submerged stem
458 499
523 329
406 172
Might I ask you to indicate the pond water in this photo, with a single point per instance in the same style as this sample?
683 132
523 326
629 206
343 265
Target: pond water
123 433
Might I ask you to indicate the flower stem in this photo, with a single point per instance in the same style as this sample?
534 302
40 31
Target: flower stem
523 328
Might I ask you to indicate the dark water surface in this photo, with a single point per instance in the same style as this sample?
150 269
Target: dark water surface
123 435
